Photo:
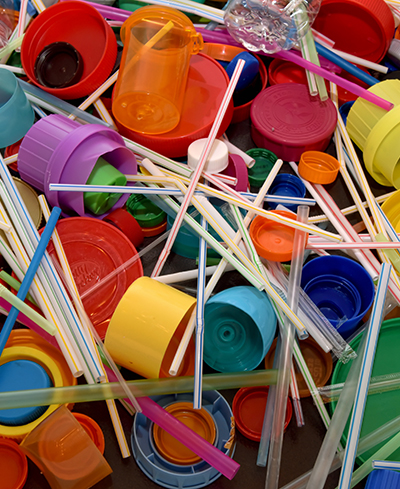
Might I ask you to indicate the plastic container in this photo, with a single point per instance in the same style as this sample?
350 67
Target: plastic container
239 326
287 120
13 465
59 150
170 475
91 37
16 113
248 409
341 288
147 326
289 185
318 167
158 43
264 162
65 453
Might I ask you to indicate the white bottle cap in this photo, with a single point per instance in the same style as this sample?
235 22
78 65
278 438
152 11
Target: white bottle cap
218 158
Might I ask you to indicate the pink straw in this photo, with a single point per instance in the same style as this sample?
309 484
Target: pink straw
197 173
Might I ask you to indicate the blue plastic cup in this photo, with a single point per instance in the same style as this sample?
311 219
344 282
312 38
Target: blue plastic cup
239 327
16 113
341 289
289 185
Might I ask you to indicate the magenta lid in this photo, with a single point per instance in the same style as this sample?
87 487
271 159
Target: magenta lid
287 120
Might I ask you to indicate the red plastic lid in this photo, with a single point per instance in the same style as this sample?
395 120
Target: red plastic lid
94 249
206 86
13 465
363 28
125 222
92 429
248 409
287 120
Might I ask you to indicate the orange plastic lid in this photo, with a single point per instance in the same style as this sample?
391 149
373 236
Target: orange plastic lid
318 167
273 240
318 362
13 465
92 429
199 420
248 409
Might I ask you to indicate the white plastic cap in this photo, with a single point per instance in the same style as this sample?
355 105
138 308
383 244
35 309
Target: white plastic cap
218 158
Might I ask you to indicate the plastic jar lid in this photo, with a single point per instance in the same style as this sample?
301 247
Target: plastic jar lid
127 224
363 28
199 420
287 120
248 409
147 214
264 162
13 465
21 375
318 167
58 65
273 240
92 429
318 362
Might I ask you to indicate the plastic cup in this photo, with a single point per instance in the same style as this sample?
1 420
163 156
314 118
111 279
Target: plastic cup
16 113
289 185
239 327
65 453
158 44
318 167
391 207
146 328
341 288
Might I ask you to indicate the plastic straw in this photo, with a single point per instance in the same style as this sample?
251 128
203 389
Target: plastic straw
174 278
365 376
285 359
370 245
385 464
22 18
360 61
26 283
15 284
237 151
202 161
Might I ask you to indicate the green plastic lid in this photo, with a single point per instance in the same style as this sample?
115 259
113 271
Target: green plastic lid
383 407
102 174
264 162
146 213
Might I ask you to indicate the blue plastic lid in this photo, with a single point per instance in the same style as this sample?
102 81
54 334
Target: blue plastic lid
249 72
383 479
22 375
289 185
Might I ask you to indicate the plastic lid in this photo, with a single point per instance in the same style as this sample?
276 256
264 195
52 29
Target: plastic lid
391 207
127 224
249 72
237 168
92 429
103 174
13 465
273 240
363 28
217 159
206 85
248 409
22 375
318 167
58 65
264 162
147 214
289 185
383 479
318 362
30 198
199 420
155 230
287 120
94 249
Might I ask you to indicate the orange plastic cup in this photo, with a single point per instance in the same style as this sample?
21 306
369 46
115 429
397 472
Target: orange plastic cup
158 44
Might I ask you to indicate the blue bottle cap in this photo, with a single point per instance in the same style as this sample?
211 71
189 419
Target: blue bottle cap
249 72
383 479
22 375
288 185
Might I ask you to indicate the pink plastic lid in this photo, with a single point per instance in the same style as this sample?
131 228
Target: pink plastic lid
287 120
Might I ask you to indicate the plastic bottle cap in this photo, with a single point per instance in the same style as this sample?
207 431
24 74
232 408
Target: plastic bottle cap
22 375
58 65
31 200
248 409
199 420
147 214
13 465
318 167
92 429
383 479
217 159
103 174
318 362
127 224
264 162
289 185
155 230
249 72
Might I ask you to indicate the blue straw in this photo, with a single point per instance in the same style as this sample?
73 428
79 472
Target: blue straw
29 275
346 65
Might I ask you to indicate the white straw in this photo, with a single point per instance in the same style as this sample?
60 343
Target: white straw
385 464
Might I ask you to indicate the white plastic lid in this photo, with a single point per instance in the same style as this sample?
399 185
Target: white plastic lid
218 158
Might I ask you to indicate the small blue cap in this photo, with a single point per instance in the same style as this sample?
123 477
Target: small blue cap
383 479
22 375
249 72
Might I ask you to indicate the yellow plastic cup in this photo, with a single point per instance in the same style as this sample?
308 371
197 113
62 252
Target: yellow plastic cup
158 44
391 207
363 115
147 326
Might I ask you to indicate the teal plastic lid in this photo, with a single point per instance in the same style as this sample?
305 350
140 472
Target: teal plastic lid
22 375
264 162
383 407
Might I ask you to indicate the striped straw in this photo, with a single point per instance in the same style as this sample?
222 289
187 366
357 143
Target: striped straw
371 245
364 379
385 464
202 161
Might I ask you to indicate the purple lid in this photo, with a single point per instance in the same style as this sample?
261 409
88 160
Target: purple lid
287 120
